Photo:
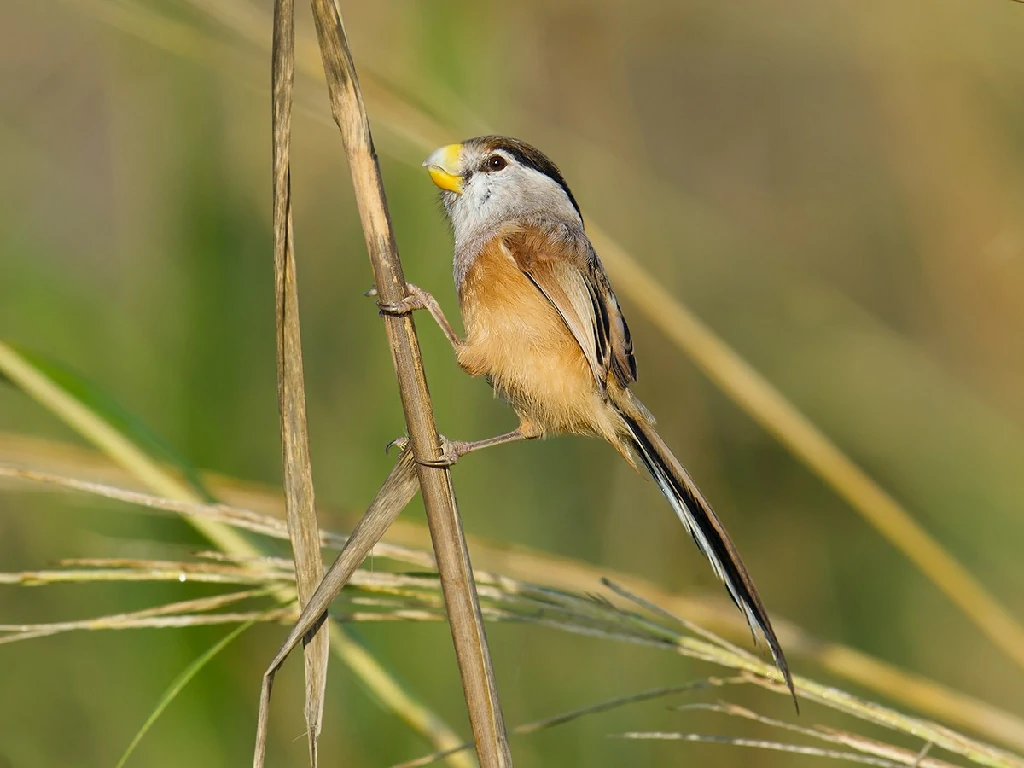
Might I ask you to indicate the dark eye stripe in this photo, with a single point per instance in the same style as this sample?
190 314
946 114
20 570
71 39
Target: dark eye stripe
541 164
529 156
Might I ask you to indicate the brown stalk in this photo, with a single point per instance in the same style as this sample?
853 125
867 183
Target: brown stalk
394 495
291 389
449 542
314 590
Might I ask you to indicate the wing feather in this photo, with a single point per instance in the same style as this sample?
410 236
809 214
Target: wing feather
566 270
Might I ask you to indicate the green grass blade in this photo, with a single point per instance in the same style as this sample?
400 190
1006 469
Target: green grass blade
101 431
179 684
103 405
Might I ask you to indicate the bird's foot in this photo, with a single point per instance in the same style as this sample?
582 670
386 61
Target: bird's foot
451 451
415 299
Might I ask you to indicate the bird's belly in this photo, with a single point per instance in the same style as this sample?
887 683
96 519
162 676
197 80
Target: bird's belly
516 338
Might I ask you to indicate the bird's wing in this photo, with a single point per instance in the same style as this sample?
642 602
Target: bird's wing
623 364
567 271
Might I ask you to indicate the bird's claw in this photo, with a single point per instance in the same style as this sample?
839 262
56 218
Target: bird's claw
450 451
415 299
401 443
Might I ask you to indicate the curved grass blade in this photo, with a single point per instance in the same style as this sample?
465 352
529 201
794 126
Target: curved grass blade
179 684
121 447
103 405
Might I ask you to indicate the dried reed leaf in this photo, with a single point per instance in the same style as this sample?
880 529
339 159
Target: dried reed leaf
291 388
415 596
236 517
148 617
393 496
566 717
557 572
772 746
860 743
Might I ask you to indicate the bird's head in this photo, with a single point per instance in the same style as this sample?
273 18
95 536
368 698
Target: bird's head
492 180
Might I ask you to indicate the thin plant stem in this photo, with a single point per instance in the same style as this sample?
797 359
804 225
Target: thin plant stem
461 601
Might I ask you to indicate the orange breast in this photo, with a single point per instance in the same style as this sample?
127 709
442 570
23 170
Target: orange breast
517 338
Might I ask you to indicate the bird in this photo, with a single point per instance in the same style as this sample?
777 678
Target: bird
542 324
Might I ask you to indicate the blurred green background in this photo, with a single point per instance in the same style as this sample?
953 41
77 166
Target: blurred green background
837 188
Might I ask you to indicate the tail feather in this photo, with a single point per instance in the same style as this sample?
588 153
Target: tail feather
707 531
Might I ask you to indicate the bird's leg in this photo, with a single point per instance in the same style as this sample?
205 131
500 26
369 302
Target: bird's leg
453 450
462 447
416 299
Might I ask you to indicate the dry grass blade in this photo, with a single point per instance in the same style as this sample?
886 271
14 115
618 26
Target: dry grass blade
393 496
291 389
912 691
160 616
774 746
435 481
657 610
867 746
764 675
236 517
217 513
621 701
33 632
169 571
415 596
566 717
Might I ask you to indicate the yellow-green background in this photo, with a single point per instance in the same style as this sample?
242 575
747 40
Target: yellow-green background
836 187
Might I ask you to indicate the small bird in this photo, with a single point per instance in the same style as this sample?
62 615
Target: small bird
543 325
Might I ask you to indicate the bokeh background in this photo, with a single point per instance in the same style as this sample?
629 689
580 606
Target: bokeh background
837 188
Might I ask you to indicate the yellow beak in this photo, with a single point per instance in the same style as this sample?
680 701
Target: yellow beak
443 167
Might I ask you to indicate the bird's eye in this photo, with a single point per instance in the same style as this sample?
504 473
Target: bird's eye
495 163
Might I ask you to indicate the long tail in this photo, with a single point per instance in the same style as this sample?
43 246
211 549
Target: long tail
703 524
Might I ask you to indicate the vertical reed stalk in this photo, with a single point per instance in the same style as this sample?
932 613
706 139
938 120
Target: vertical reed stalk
443 519
291 388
